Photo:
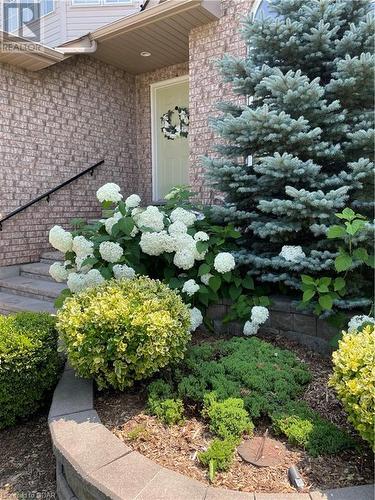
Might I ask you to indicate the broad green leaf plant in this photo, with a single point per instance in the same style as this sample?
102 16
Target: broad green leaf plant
175 243
323 291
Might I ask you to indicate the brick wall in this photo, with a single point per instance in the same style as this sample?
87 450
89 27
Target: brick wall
56 122
207 44
53 124
143 104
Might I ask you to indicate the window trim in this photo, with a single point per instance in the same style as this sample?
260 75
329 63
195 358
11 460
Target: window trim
100 3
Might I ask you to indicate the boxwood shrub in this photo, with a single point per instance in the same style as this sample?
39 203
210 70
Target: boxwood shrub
29 364
123 331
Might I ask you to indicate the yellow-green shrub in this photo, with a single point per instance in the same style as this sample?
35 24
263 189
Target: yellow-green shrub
354 379
123 331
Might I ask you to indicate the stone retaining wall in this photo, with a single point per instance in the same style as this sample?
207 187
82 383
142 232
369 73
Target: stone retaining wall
285 319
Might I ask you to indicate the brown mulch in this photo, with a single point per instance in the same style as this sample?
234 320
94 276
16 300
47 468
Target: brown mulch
27 464
176 447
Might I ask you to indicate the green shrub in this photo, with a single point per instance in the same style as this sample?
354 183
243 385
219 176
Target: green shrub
264 376
168 411
227 418
306 428
123 331
219 455
29 364
162 404
354 379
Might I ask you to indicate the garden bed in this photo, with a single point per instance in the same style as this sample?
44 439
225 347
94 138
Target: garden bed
176 447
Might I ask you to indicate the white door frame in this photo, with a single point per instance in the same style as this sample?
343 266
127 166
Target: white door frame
155 125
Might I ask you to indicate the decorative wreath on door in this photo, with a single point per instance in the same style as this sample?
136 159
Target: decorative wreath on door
171 131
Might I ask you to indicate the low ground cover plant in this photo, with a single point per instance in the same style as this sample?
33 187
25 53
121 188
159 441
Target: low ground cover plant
227 418
304 427
124 330
354 379
219 455
29 364
233 382
262 375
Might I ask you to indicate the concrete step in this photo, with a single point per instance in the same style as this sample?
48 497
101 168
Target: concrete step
38 270
51 257
30 287
10 303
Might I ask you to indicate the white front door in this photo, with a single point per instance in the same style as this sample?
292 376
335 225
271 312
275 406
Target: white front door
169 157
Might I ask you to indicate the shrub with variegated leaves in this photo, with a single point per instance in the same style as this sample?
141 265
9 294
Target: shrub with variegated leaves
123 331
354 379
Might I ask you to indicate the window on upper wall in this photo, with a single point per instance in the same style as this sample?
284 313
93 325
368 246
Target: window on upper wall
263 8
101 2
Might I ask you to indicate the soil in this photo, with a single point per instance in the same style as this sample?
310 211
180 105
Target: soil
176 447
27 464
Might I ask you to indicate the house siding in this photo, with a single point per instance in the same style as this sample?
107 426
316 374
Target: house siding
54 124
82 20
207 44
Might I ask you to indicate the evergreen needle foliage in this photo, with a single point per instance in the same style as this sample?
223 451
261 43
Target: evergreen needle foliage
309 131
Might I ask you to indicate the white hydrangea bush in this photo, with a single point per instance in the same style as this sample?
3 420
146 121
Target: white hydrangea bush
174 243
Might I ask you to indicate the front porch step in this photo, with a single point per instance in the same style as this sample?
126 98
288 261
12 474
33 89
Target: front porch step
10 303
51 257
37 270
30 287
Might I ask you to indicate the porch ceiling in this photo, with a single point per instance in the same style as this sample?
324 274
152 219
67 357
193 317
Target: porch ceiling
162 30
25 54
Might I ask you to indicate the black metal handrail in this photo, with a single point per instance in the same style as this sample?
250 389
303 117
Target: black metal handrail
48 193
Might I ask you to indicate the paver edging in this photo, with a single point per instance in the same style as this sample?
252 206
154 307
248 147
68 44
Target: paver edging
93 464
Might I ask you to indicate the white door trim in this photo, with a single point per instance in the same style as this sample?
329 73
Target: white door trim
155 124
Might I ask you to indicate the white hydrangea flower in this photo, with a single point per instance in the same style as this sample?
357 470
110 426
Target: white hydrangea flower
196 318
356 322
201 236
109 223
224 262
60 239
132 201
250 328
109 192
93 278
136 211
79 260
76 282
151 218
205 278
82 247
184 259
177 227
123 272
58 272
190 287
259 315
155 243
182 215
110 252
292 253
184 242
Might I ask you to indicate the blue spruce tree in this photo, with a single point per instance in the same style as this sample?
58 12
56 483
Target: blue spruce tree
308 132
